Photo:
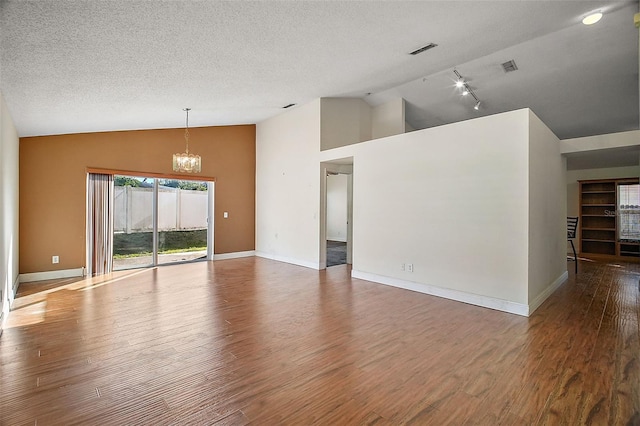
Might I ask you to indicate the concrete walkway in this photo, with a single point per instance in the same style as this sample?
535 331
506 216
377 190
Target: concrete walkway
142 261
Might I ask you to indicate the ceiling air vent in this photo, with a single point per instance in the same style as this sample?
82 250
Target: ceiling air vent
510 66
423 49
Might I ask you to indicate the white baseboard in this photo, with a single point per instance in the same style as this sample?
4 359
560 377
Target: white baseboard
14 289
235 255
547 292
51 275
291 260
459 296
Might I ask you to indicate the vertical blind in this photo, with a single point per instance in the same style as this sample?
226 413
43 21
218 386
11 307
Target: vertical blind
100 191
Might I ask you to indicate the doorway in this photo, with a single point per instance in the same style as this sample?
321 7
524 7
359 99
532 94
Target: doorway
336 227
337 219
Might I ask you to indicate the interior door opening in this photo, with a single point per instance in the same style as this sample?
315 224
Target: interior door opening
336 219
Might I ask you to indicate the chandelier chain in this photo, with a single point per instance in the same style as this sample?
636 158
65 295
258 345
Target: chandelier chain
186 130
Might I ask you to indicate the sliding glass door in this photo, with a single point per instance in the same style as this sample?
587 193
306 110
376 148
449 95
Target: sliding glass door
182 220
160 221
133 222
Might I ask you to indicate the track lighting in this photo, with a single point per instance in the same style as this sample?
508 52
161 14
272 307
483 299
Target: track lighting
466 90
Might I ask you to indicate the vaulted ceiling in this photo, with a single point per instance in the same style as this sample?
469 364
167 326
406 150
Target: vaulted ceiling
81 66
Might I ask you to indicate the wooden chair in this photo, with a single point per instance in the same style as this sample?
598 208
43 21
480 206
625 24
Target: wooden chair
572 226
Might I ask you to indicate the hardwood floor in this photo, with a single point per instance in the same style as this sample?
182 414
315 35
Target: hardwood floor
254 341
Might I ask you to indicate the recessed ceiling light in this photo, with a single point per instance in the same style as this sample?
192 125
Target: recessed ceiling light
592 18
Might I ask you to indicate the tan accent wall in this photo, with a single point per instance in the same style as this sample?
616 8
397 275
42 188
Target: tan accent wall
53 173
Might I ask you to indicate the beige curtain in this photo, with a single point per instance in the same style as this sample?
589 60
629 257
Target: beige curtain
99 224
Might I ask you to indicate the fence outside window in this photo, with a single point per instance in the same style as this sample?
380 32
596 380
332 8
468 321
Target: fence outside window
181 209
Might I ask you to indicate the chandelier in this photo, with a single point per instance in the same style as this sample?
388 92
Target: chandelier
185 162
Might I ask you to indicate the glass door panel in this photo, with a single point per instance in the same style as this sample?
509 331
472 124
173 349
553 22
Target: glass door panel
629 213
183 209
133 222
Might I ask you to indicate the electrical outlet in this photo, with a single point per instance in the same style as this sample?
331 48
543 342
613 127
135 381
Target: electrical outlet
402 266
410 267
55 259
225 215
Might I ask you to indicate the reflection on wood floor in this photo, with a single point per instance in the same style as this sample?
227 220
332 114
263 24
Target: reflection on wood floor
256 341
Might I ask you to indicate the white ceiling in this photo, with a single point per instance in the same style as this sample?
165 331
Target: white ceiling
84 66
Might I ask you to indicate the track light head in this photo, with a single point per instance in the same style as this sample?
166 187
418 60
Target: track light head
477 106
460 84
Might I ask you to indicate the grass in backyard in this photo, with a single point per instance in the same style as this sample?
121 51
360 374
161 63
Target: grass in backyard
182 250
140 243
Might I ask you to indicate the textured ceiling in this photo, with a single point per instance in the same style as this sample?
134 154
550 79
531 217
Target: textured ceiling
83 66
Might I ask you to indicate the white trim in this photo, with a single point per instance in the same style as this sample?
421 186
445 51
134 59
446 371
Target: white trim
459 296
548 292
14 289
211 218
51 275
338 239
235 255
291 260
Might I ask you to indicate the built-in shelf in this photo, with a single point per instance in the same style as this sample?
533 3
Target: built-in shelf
598 220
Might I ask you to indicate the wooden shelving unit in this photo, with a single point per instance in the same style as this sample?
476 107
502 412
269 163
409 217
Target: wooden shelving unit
598 220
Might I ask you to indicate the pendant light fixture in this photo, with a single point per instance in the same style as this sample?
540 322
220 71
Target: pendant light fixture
185 162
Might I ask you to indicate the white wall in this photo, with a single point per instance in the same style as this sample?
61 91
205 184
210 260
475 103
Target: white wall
9 151
337 207
288 186
388 119
609 140
344 121
347 121
451 200
473 206
408 127
547 213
